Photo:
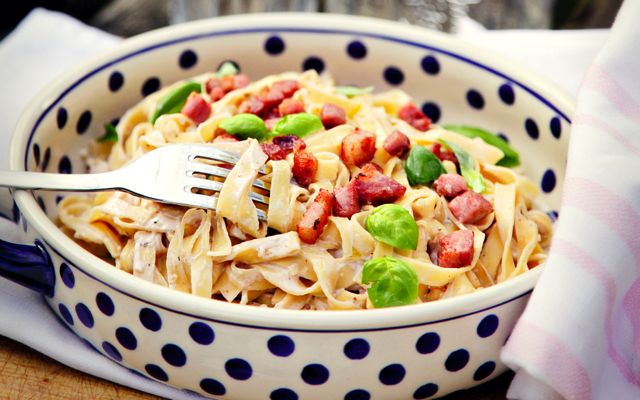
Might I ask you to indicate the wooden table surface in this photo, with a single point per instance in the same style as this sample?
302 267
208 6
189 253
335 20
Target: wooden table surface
26 374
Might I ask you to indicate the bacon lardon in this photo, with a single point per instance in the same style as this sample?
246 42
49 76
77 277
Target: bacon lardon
315 217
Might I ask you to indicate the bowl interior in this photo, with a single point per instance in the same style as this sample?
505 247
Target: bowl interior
453 83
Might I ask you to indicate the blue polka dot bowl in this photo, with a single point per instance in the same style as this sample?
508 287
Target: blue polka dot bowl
229 351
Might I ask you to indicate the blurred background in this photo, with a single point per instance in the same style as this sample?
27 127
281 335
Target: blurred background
130 17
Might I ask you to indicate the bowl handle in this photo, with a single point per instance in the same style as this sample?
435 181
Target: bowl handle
27 265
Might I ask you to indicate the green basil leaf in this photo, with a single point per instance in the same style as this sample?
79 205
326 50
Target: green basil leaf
227 68
422 166
300 125
352 91
173 101
245 126
511 157
467 167
110 134
393 224
395 283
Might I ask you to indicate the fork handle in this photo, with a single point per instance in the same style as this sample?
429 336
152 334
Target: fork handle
63 182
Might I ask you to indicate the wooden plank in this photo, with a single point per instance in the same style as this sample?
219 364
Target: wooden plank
26 374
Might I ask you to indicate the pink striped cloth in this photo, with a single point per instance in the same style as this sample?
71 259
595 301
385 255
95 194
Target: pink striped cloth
579 337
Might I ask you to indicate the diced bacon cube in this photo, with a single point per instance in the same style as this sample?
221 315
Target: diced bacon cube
375 188
286 87
332 116
397 144
470 207
450 185
240 81
316 217
271 98
346 201
290 143
196 108
305 166
414 117
358 147
273 151
251 105
443 154
456 249
291 106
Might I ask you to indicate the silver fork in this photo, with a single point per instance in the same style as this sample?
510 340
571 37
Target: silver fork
168 174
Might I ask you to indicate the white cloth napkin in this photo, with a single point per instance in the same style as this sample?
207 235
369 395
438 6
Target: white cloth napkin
579 337
46 43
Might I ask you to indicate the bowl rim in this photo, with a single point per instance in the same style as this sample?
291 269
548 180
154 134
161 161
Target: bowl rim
261 317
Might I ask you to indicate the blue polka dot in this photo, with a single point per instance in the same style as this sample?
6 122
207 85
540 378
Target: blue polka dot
392 374
283 394
430 65
484 371
357 50
553 215
64 165
84 315
66 274
212 386
393 75
188 59
36 153
150 85
425 391
40 201
46 158
174 355
532 128
356 349
488 326
315 374
115 121
357 394
201 333
83 122
59 198
457 360
111 351
156 372
548 181
61 117
313 62
556 127
66 315
431 110
475 99
274 45
507 94
105 304
116 80
428 343
503 137
238 368
281 346
126 338
150 319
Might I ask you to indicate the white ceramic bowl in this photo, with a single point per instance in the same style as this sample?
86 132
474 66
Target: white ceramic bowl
238 352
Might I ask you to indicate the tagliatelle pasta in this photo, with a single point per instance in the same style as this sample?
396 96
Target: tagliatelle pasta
337 166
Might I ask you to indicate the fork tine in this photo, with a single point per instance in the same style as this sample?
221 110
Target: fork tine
197 167
213 153
207 184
